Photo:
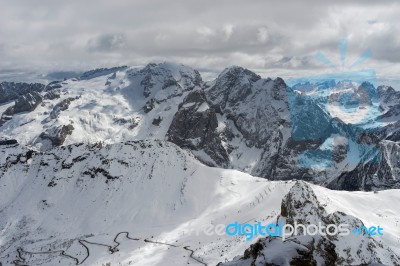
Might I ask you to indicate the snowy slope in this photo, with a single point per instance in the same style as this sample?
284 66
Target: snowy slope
109 107
69 204
312 205
381 208
151 189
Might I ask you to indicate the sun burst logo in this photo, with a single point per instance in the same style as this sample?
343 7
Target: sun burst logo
343 55
328 110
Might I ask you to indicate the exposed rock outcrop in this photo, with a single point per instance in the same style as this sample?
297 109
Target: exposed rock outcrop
24 103
54 136
61 106
100 72
149 106
7 141
10 91
157 121
27 102
7 115
195 127
52 94
301 206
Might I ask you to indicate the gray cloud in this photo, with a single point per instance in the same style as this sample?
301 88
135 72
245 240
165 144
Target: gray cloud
106 43
269 36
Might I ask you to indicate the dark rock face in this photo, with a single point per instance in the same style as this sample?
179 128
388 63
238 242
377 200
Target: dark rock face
61 106
195 127
250 102
100 72
271 117
149 106
110 78
168 82
56 135
53 85
298 136
14 157
10 91
27 102
279 90
52 94
157 121
311 128
389 103
113 76
379 168
232 86
8 142
147 84
301 206
388 96
7 115
308 120
130 122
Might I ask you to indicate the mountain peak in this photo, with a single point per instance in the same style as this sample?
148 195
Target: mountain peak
101 72
239 73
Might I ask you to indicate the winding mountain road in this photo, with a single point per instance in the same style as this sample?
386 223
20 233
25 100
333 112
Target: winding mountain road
21 261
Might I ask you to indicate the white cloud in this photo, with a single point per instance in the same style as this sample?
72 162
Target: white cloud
262 35
227 30
47 35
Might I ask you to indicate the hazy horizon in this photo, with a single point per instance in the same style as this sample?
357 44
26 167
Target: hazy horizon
43 39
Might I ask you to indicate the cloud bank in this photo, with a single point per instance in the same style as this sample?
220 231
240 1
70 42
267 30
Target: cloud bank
272 37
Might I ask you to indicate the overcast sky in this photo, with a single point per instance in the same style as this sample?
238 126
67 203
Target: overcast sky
275 38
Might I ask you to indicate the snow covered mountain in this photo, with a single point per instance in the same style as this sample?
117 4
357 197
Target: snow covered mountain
104 107
76 204
239 120
150 203
68 198
133 166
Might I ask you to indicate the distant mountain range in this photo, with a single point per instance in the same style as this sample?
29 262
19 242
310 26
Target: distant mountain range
239 120
121 166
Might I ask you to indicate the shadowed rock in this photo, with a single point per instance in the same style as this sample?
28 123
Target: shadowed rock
195 127
27 102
